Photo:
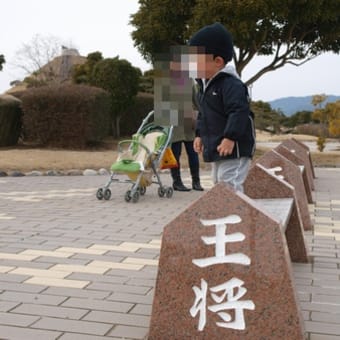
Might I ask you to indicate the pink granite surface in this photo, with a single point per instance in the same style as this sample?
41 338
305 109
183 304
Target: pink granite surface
304 146
308 182
293 176
262 184
303 154
266 278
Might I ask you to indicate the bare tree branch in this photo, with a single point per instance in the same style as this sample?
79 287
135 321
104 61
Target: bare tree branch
32 56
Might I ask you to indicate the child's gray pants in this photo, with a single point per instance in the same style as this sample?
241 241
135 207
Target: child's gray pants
231 171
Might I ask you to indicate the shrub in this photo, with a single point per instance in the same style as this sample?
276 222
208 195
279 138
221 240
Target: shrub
312 129
133 117
10 120
321 143
66 115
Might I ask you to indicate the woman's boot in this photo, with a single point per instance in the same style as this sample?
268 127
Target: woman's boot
196 184
195 175
177 183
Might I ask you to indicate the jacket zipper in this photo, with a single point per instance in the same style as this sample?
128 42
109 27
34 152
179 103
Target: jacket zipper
253 133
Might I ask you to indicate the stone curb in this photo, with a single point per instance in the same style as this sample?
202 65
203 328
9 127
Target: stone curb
72 172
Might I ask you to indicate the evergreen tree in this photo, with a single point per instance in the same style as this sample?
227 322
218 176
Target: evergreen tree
121 80
289 32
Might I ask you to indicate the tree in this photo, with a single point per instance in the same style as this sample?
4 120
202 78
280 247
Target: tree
2 61
121 80
319 114
333 112
146 84
298 118
318 99
82 72
266 118
160 24
289 31
32 56
329 116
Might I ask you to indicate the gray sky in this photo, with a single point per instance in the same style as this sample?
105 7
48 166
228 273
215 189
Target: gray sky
103 26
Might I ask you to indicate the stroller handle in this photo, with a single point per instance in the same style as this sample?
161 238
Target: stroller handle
145 120
131 141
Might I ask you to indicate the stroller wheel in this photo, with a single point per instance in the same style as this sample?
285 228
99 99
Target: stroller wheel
100 194
128 196
168 192
135 197
107 194
142 190
161 192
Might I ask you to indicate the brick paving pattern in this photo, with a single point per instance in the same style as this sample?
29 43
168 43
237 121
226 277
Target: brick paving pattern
318 283
73 267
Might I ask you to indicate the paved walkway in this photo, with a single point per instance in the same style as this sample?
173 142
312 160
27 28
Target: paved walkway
73 267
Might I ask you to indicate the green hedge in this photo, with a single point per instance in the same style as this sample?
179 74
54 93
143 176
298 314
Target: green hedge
10 120
65 115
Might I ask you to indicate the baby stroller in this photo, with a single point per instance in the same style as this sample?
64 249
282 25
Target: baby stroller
139 158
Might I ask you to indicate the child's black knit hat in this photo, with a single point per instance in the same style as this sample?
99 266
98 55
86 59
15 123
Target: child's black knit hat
215 39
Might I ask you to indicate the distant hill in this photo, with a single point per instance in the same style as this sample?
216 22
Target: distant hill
291 105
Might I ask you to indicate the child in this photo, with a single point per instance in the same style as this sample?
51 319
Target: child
225 130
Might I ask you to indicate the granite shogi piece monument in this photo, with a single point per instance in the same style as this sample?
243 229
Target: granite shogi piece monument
261 183
225 273
307 180
292 174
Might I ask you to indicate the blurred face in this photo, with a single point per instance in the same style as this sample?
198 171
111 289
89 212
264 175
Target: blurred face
206 65
201 65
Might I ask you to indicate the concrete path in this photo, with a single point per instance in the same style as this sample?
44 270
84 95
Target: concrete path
73 267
